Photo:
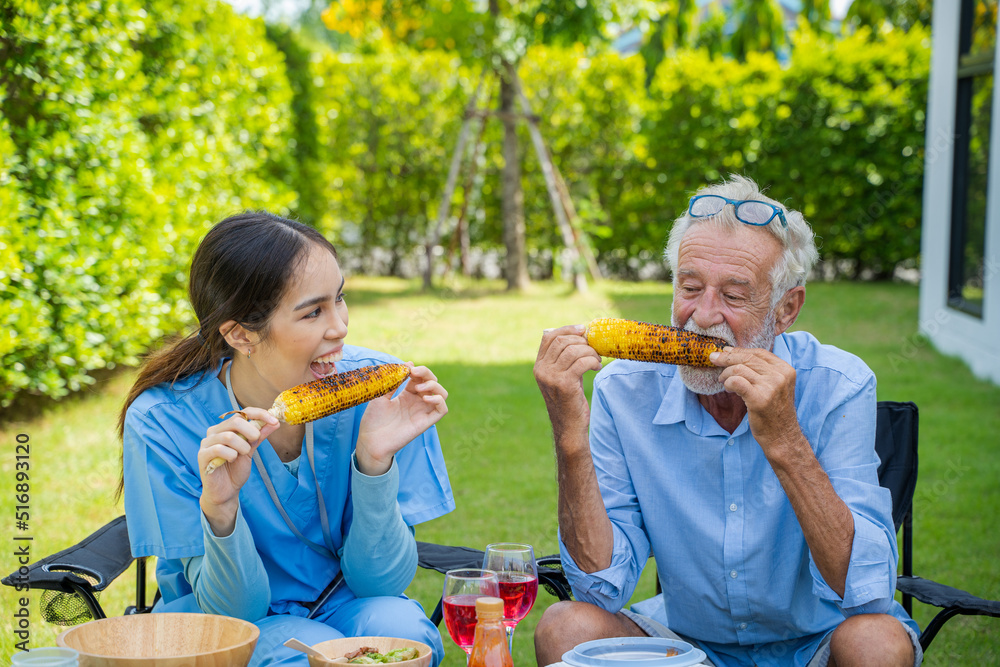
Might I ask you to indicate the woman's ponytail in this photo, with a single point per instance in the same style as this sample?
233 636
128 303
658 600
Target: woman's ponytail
179 359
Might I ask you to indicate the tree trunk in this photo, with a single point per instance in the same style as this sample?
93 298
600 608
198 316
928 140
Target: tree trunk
449 188
512 196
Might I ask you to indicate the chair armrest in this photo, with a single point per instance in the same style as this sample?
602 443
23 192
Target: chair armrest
442 558
553 578
938 595
952 601
100 557
84 570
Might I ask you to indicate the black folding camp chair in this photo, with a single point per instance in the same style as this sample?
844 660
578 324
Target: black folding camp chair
85 569
896 438
72 579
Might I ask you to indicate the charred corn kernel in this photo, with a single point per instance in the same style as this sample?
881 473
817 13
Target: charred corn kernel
321 398
627 339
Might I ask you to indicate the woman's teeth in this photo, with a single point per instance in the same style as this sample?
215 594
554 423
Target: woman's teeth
325 366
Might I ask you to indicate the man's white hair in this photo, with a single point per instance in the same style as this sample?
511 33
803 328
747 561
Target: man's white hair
796 239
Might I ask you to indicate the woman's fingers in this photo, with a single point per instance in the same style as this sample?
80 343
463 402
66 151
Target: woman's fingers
227 445
238 434
245 423
235 424
424 382
220 451
431 388
420 373
261 415
437 402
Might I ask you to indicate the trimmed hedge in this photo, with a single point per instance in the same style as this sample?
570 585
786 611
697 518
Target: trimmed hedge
838 134
128 127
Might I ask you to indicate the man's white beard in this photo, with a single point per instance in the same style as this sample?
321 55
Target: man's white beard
706 380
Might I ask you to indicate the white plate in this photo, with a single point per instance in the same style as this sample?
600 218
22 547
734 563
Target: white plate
633 652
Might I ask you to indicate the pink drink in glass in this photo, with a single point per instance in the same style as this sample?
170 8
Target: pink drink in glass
460 619
518 592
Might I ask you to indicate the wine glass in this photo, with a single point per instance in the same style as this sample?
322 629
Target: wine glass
518 579
461 588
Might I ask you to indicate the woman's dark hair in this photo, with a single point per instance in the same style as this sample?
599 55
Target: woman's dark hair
240 272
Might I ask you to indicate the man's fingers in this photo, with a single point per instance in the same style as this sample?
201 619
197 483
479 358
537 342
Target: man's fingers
577 329
586 363
551 335
739 385
731 355
548 335
568 343
747 370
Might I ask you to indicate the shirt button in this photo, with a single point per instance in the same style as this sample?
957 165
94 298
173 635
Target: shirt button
743 626
732 508
731 442
733 574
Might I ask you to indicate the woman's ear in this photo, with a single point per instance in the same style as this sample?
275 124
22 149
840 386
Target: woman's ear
788 309
236 335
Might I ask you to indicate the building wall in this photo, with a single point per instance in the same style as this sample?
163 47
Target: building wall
976 341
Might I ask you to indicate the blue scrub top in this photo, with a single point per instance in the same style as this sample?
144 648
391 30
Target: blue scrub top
163 432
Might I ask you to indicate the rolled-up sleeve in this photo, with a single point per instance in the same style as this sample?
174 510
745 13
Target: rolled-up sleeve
850 461
612 587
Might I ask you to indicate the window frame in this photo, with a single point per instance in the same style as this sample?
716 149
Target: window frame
970 66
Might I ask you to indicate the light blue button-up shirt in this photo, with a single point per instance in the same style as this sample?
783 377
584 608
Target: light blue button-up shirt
731 558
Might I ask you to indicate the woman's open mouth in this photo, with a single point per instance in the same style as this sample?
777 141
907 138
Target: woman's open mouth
326 365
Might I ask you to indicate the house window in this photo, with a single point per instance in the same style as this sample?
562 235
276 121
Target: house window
977 43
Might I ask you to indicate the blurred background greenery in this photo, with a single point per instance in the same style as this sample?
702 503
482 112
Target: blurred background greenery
127 127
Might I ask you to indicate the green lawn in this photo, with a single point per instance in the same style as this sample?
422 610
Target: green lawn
481 342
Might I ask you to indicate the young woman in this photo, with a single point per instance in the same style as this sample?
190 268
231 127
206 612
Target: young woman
263 536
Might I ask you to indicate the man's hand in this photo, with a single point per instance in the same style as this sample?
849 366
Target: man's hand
767 386
563 358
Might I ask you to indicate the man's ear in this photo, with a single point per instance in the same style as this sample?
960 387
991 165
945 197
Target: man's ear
237 336
788 309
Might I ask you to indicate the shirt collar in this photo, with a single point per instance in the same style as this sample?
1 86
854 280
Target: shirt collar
679 404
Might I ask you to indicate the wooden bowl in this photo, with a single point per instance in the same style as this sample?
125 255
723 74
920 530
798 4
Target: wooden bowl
163 640
337 648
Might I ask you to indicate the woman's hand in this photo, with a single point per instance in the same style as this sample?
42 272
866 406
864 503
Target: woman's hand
389 424
234 440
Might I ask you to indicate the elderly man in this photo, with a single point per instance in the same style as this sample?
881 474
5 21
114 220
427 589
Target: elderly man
752 484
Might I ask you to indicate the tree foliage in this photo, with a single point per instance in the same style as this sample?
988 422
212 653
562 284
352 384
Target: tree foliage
840 132
759 28
386 124
129 126
126 128
901 14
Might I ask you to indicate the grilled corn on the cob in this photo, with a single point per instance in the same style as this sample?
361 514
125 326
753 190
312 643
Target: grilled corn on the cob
627 339
320 398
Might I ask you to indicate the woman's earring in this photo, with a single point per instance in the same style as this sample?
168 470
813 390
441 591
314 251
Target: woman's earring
249 349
